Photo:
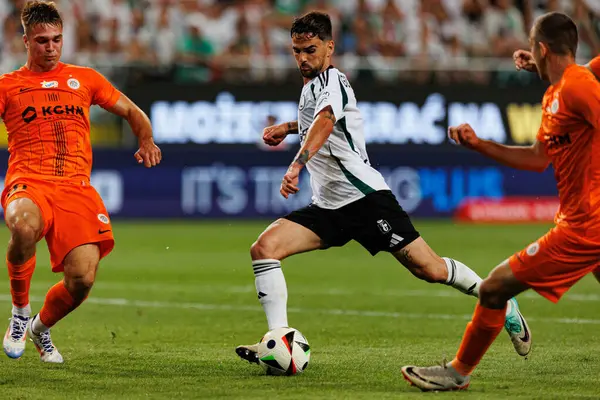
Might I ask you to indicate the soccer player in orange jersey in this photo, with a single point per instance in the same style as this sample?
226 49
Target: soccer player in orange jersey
45 107
569 138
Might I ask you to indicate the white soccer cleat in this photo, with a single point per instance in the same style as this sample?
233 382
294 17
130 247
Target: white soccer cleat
248 352
440 378
518 330
43 343
16 336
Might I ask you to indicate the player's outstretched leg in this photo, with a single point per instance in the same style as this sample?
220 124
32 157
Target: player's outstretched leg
25 223
80 267
281 239
425 264
487 322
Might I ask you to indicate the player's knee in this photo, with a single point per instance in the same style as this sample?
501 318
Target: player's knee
491 294
263 249
23 233
79 285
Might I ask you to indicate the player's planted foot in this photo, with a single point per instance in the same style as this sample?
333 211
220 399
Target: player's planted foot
16 335
248 352
43 342
518 330
438 378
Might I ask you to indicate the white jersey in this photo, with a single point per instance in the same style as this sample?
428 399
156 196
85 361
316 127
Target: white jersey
340 173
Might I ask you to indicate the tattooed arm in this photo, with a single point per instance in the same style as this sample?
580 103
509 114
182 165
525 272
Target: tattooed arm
291 128
317 135
275 134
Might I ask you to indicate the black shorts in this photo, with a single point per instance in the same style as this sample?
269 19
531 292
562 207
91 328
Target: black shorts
376 221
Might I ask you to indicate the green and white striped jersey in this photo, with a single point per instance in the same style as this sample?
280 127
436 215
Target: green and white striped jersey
340 173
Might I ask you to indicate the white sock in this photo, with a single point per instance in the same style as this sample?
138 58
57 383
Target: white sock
272 291
22 311
462 277
37 326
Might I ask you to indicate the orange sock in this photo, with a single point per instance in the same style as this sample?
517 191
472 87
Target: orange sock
479 335
57 305
20 281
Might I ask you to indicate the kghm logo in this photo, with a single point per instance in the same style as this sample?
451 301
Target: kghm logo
30 113
559 140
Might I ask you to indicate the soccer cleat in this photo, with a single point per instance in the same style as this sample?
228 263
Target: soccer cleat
518 330
16 336
440 378
248 353
44 345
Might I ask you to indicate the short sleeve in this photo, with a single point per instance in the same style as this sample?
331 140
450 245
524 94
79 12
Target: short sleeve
594 66
332 93
103 93
582 96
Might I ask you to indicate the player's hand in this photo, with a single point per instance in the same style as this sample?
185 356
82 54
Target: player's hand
273 135
148 154
524 60
464 135
289 184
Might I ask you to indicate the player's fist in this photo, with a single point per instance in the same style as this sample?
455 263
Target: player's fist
524 60
273 135
289 184
464 135
148 154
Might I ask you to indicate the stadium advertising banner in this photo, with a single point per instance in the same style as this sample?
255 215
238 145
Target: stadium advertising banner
393 115
244 183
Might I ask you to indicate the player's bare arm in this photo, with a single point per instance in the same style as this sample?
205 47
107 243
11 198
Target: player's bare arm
149 154
275 134
529 158
316 137
524 61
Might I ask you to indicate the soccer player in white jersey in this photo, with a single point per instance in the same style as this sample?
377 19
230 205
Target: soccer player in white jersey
351 200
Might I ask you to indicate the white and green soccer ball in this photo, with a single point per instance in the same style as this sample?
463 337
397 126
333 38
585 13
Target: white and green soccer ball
284 351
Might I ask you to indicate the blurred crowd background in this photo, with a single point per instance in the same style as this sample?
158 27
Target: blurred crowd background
248 40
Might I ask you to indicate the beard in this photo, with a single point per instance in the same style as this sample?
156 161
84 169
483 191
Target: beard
311 73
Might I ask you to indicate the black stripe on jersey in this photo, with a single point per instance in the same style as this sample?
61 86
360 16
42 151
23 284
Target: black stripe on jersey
321 80
312 89
60 141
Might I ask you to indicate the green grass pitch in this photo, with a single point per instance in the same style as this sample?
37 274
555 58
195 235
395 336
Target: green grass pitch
175 298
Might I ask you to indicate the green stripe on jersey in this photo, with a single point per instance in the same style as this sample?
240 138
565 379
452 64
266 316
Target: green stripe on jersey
357 183
344 94
346 133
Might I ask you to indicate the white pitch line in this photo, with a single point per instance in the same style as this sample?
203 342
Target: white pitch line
119 302
437 290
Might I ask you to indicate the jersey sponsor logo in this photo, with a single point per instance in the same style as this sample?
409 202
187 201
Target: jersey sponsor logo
31 113
384 226
103 218
49 84
558 140
73 83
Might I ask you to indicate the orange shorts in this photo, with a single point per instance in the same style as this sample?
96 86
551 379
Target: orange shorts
556 261
73 214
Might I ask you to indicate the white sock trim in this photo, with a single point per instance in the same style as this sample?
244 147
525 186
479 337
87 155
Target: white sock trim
37 326
22 311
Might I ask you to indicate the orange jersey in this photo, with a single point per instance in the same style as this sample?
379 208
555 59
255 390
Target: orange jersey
570 134
47 119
